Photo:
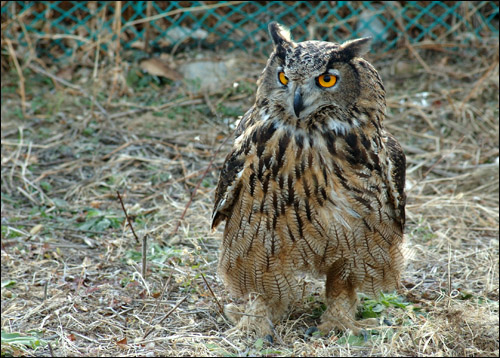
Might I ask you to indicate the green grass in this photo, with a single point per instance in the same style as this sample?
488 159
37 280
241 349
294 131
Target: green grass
17 344
371 308
97 220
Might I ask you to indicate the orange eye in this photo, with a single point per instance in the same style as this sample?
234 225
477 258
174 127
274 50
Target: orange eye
282 78
327 80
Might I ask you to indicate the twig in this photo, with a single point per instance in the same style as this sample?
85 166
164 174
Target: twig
449 273
179 11
176 46
173 181
63 36
117 27
406 39
27 36
19 73
45 289
128 218
198 185
144 255
16 157
417 56
15 144
212 292
63 167
166 316
126 113
479 83
442 157
158 300
98 45
30 223
70 85
144 239
413 341
151 108
7 22
463 20
147 27
50 349
174 231
209 104
313 27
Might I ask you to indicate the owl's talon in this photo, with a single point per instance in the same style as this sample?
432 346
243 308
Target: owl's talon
387 322
257 316
233 313
310 332
365 335
269 338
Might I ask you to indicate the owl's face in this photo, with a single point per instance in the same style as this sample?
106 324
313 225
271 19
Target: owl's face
314 79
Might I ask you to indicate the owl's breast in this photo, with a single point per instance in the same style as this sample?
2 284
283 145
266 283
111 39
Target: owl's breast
311 170
296 193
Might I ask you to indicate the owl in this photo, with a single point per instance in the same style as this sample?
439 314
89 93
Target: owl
313 184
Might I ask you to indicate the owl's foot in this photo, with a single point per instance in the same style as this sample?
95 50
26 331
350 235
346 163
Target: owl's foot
249 320
341 322
259 317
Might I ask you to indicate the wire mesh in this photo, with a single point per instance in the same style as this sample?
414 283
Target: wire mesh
59 28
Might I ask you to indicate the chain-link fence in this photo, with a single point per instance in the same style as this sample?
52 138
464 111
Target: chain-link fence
59 28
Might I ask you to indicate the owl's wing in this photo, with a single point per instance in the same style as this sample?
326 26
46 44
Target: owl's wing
228 188
244 122
397 175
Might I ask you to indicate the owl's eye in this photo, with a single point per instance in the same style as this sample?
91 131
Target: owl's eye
327 80
282 78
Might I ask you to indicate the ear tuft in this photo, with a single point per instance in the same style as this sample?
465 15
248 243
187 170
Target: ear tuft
279 34
357 47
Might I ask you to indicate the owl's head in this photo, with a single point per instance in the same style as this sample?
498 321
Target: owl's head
315 81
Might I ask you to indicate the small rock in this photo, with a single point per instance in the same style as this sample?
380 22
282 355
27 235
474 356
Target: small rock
207 75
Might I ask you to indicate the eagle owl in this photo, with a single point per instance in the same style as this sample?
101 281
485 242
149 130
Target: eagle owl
313 184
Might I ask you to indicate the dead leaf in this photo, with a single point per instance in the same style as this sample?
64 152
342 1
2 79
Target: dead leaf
138 45
157 67
156 294
96 204
122 341
66 73
36 229
87 262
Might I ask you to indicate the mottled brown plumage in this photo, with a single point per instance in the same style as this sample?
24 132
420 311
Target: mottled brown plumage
313 184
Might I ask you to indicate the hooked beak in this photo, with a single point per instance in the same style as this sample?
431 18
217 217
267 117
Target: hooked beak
298 104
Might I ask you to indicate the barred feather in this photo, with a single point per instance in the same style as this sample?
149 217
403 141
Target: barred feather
321 193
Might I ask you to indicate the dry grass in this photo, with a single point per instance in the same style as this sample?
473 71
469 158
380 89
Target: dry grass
71 267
